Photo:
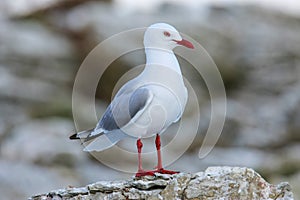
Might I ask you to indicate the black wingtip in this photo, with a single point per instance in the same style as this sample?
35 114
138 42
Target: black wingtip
74 137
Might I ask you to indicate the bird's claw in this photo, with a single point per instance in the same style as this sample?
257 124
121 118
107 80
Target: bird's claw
142 173
164 171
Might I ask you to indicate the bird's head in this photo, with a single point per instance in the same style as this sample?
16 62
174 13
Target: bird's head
164 36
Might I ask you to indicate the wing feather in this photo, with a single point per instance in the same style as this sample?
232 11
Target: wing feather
123 108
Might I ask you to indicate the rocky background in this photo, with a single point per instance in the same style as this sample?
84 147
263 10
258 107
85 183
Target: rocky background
42 46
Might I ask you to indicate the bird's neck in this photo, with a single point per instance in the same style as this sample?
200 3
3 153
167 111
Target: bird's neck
164 58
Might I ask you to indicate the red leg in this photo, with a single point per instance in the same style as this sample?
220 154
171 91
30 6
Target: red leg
141 172
158 145
159 167
139 145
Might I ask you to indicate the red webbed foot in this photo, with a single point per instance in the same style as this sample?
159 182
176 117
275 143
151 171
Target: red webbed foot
141 173
164 171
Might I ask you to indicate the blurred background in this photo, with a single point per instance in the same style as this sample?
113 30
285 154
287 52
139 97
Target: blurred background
255 44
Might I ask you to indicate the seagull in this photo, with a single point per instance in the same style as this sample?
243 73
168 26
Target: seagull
149 103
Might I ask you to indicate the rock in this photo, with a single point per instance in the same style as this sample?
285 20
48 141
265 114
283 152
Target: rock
214 183
20 179
26 89
236 183
44 142
31 40
294 180
31 7
290 159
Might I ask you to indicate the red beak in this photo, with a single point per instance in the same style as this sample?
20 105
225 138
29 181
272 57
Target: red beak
185 43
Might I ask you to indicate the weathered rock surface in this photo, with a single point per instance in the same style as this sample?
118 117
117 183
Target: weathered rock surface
214 183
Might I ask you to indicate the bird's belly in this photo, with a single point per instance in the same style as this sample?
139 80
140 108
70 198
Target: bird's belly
159 115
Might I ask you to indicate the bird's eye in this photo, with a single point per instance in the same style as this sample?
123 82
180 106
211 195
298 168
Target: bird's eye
167 34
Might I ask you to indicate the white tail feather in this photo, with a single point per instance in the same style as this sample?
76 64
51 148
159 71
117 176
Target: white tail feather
99 144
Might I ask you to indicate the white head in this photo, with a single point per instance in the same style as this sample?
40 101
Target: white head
164 36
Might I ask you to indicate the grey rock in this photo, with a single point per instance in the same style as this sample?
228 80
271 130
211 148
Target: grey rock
294 181
31 40
44 142
214 183
26 89
104 186
20 180
233 182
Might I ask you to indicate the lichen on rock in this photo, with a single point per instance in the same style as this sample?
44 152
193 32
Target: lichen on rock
214 183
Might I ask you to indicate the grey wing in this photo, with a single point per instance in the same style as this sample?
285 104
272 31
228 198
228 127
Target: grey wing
123 108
